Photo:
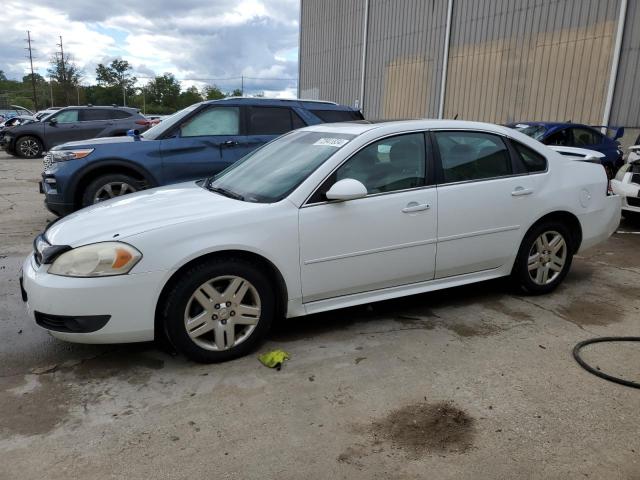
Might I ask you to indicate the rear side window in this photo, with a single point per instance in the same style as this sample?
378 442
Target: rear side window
333 116
469 156
585 136
118 114
561 138
271 120
532 160
90 114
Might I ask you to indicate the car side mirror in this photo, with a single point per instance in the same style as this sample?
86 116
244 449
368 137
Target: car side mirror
346 189
53 121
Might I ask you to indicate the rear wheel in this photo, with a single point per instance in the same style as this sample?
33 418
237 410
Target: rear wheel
544 258
109 186
28 147
219 310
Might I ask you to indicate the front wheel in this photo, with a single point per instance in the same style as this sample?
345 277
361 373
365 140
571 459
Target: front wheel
544 258
219 310
28 147
109 186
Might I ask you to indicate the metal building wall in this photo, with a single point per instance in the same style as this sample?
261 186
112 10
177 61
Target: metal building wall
530 59
405 45
331 50
508 59
626 98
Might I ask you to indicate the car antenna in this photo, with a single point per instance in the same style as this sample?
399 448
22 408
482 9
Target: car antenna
456 117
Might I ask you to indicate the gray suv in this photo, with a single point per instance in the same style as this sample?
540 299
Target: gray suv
71 124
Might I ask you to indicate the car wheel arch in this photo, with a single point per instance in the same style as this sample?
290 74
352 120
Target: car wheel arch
105 168
566 218
262 262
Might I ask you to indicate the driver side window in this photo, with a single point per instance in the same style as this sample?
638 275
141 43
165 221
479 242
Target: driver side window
213 121
391 164
67 116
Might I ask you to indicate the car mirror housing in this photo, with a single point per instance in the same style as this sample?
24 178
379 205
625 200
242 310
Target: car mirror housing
346 189
53 121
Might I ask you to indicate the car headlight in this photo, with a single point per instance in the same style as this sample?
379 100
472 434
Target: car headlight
96 260
65 155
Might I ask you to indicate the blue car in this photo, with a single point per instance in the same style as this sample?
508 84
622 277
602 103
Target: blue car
577 135
194 143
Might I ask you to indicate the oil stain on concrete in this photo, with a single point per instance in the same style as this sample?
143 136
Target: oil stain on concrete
585 311
425 428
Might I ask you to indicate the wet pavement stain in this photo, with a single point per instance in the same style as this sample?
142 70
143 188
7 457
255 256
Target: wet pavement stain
33 405
426 428
582 311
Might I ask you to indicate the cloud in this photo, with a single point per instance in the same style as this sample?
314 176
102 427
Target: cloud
210 41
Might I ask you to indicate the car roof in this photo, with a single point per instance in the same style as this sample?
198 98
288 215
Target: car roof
85 107
275 102
359 127
549 124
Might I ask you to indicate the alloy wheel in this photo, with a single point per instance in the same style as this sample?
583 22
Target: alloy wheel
111 190
29 148
547 257
222 313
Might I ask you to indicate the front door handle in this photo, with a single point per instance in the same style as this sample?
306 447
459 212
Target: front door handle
520 191
229 143
416 207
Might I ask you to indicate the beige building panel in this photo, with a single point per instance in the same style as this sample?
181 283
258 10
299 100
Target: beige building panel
551 76
407 84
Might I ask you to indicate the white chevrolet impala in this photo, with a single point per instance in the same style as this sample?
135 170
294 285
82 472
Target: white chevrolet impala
322 218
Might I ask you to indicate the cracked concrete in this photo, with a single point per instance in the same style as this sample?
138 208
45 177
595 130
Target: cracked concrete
523 407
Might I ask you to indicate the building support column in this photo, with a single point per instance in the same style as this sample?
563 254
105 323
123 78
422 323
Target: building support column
365 31
445 60
613 76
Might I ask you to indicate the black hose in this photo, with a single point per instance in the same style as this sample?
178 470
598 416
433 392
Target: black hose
590 369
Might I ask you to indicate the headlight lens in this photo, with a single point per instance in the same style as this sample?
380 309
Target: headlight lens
65 155
96 260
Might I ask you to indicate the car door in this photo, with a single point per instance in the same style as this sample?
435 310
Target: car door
385 239
485 200
203 145
94 121
65 128
266 123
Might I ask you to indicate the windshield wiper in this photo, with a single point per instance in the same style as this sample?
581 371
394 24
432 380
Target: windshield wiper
225 192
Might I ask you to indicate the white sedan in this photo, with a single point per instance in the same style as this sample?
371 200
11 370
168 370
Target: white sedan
322 218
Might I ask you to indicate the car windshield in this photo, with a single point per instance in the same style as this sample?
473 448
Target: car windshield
155 132
272 172
533 131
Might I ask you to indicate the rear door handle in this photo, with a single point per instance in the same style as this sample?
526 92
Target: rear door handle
520 191
416 207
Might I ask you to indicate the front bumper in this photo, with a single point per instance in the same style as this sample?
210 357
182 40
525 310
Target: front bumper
630 193
129 301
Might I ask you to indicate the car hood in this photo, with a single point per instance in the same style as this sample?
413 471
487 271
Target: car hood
99 141
140 212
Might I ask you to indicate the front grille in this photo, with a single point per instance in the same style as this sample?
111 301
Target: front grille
71 324
48 161
633 201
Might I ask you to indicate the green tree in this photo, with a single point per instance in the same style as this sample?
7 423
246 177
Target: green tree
236 93
66 78
190 96
3 77
164 91
212 92
117 81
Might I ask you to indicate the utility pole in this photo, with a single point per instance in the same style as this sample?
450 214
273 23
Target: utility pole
64 72
241 86
51 89
33 78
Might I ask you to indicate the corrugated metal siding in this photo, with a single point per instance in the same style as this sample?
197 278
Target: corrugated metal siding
331 50
404 58
530 59
625 110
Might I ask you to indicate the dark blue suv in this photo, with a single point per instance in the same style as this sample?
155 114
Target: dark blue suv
196 142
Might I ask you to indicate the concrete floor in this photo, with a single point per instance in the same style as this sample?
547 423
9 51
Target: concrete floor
467 383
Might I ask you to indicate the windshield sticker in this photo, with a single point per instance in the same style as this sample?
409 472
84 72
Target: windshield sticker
522 125
332 142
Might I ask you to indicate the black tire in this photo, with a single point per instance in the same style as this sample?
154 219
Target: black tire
28 147
97 185
520 273
178 300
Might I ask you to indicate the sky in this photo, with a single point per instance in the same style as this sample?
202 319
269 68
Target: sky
199 41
